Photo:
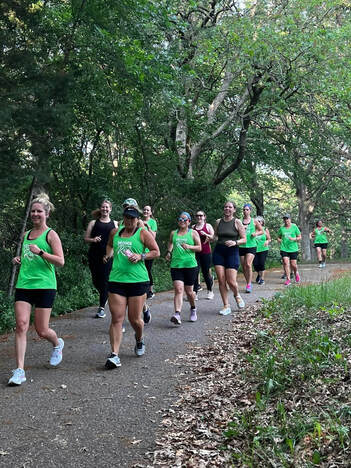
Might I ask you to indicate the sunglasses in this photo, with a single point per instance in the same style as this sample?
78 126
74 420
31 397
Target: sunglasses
199 215
183 220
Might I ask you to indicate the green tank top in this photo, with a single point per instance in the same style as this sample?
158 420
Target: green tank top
124 271
182 258
36 272
260 240
286 245
320 236
152 226
250 229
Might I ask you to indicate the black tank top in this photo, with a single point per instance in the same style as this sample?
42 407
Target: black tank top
98 249
226 230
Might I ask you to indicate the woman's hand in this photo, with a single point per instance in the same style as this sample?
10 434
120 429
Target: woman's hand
34 249
105 258
16 260
97 239
230 243
168 256
135 258
186 246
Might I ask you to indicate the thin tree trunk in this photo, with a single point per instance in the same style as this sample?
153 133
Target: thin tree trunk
19 243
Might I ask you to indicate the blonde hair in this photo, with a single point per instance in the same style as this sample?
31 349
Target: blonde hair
43 199
97 212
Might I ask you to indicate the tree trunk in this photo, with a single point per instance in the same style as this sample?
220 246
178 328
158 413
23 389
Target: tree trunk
306 208
19 243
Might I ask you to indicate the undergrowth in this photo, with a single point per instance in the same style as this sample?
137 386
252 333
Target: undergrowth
300 375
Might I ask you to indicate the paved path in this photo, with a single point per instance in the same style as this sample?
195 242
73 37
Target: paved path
84 416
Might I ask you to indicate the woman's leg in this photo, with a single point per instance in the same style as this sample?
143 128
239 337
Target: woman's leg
189 291
117 305
205 263
221 276
178 295
22 313
135 306
41 323
230 276
249 257
197 277
286 266
324 255
293 264
319 254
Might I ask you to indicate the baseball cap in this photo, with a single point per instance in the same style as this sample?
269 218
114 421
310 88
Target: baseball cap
130 211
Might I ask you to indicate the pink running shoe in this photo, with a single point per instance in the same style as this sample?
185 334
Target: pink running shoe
287 282
297 278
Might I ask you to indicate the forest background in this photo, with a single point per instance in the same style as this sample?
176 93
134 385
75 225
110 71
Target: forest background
178 104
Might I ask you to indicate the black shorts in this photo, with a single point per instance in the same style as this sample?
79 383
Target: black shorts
291 255
322 246
40 298
128 289
228 257
186 275
247 250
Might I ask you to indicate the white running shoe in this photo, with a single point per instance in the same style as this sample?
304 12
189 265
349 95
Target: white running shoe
56 356
210 295
225 311
240 302
18 377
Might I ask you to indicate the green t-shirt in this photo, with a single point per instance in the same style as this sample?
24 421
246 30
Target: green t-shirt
250 229
284 233
320 236
260 240
36 272
124 271
183 258
152 224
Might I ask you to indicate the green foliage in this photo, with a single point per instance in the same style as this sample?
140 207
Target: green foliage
301 348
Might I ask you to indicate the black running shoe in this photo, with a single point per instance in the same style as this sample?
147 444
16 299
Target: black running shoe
147 315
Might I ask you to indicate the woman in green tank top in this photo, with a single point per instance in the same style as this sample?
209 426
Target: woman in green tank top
247 251
130 246
182 245
36 285
263 241
320 241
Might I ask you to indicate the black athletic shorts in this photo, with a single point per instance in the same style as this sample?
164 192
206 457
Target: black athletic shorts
322 246
186 275
291 255
128 289
40 298
247 250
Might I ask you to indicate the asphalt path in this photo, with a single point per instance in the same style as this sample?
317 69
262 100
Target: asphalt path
82 415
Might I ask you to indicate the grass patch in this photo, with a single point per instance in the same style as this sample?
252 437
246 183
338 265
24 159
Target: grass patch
299 372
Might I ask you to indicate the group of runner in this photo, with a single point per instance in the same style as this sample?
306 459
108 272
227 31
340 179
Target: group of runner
120 259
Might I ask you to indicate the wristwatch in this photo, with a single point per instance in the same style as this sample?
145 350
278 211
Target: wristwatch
41 253
143 256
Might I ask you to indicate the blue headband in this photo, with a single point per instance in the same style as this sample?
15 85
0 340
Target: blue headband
247 205
185 214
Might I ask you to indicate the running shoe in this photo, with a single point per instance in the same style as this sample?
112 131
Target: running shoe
210 295
113 361
18 377
196 297
200 289
56 355
193 315
248 288
320 265
225 311
324 265
240 302
176 319
146 315
261 282
100 313
150 295
257 278
139 347
123 329
297 278
283 276
287 282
